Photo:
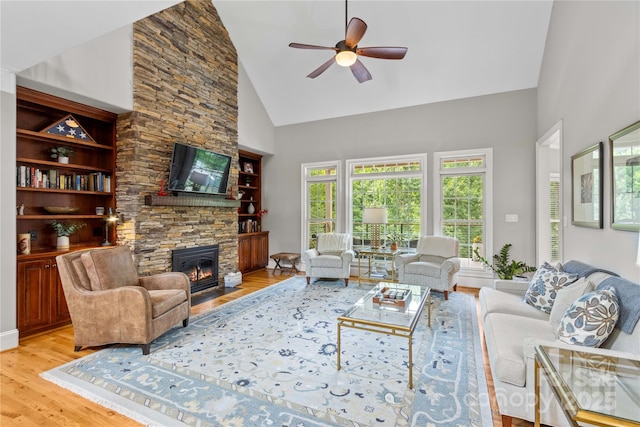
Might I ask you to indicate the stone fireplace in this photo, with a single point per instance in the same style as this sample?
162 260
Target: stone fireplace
200 264
185 83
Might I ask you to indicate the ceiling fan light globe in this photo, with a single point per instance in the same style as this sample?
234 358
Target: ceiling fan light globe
346 58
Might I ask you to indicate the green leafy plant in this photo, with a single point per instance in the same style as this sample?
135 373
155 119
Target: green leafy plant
503 266
66 229
394 236
61 151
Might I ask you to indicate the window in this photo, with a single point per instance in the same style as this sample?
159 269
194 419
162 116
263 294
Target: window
395 183
321 196
463 200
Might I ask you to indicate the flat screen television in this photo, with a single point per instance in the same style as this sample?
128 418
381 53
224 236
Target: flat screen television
196 170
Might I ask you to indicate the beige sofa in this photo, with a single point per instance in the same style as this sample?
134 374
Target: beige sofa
513 328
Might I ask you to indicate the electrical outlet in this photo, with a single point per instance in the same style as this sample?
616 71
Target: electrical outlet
34 235
511 218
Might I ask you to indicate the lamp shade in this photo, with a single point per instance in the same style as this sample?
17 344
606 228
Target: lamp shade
374 216
346 58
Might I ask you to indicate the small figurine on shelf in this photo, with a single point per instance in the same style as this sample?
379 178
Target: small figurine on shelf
162 192
20 209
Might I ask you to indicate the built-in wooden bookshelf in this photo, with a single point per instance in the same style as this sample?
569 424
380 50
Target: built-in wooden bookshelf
86 182
253 241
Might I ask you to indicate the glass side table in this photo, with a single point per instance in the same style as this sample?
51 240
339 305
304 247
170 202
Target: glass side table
376 275
591 388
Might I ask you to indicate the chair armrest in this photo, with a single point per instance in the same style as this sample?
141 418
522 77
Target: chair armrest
403 259
515 287
347 256
451 265
167 280
310 253
132 302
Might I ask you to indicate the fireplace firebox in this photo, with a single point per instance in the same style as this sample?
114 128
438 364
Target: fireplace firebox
200 264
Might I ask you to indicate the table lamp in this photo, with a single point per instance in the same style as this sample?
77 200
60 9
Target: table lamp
110 217
375 217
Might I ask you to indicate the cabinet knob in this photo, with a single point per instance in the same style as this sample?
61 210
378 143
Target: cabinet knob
54 265
46 266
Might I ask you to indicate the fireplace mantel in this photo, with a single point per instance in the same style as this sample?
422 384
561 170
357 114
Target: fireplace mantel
154 200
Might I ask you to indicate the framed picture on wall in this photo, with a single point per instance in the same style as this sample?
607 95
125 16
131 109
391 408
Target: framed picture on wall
248 167
625 178
586 187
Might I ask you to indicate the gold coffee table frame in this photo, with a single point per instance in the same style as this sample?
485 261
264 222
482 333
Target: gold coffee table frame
387 318
588 386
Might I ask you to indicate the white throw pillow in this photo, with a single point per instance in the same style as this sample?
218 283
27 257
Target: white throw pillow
566 297
590 320
544 287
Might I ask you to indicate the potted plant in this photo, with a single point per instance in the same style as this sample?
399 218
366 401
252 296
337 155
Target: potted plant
503 267
62 153
394 237
64 230
476 248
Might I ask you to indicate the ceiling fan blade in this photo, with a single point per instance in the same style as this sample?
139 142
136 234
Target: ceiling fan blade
360 72
310 46
355 31
321 69
387 52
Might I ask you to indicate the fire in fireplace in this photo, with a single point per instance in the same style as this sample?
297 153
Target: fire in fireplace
200 264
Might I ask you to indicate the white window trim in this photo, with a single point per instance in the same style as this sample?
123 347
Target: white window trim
305 179
420 157
438 172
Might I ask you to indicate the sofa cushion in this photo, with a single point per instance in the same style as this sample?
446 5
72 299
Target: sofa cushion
629 299
505 335
494 301
566 297
110 268
330 261
423 268
590 320
544 287
164 300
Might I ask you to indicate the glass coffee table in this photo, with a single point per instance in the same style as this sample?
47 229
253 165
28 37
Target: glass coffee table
591 388
389 308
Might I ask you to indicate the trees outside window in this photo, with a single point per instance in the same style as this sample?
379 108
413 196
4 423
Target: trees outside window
462 201
321 209
395 183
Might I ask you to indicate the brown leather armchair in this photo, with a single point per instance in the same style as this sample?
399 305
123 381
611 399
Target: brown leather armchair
110 304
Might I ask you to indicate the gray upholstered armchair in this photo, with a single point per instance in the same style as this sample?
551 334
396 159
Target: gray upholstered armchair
435 264
109 303
331 258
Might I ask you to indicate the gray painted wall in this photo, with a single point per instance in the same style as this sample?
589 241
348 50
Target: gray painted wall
590 79
504 121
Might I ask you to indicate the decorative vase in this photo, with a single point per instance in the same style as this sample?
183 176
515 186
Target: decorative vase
475 246
24 243
62 242
251 209
393 246
62 159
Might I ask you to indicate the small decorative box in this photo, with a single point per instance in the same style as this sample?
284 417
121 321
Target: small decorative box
393 296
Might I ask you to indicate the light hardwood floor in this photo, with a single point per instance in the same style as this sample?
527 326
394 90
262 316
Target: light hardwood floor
28 400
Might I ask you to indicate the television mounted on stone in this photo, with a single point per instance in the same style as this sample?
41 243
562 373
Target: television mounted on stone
196 170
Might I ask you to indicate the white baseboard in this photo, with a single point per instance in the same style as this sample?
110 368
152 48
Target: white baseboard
9 340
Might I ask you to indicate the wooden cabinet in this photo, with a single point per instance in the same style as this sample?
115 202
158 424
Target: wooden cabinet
253 251
87 181
41 303
253 243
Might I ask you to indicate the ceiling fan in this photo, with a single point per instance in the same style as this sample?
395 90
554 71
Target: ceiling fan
347 50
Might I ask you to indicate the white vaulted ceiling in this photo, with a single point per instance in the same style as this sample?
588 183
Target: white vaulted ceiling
457 49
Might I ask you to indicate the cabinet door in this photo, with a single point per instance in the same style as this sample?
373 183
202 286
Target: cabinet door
260 251
59 309
244 253
33 294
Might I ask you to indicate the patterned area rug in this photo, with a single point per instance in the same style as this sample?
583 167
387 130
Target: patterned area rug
269 358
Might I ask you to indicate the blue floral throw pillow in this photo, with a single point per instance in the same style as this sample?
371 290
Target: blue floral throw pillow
590 319
545 285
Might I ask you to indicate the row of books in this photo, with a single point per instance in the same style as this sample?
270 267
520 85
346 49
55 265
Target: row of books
35 178
248 226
